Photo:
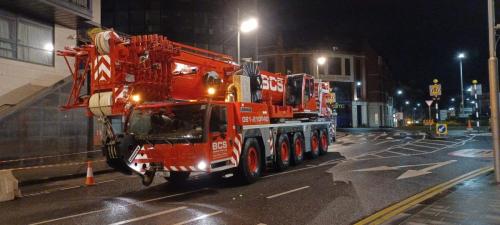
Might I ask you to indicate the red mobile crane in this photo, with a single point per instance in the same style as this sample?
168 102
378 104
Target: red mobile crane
185 109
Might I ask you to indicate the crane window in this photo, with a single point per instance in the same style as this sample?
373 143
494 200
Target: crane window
218 120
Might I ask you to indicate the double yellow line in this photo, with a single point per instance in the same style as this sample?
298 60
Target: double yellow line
393 210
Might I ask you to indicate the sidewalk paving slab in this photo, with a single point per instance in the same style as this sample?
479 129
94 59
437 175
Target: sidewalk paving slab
476 201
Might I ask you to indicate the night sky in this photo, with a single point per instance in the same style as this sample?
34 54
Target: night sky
419 39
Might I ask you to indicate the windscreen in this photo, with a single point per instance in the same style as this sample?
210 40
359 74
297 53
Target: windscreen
170 124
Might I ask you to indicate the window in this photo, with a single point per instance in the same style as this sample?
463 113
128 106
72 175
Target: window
271 64
306 65
347 66
334 66
34 43
218 119
288 65
26 40
7 37
357 68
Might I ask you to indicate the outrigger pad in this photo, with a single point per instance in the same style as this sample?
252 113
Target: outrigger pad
9 186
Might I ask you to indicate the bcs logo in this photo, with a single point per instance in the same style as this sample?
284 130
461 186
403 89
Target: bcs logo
219 145
272 83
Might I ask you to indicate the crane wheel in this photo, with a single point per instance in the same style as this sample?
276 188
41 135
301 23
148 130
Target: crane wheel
314 153
297 148
250 165
323 142
283 153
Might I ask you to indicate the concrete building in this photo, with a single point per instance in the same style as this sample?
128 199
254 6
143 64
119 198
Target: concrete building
360 79
34 81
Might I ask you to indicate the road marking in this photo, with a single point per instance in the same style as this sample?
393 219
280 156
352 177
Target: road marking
305 168
409 173
411 149
287 192
397 153
430 143
424 171
395 209
450 142
382 142
70 187
199 218
117 206
473 153
424 146
150 215
105 181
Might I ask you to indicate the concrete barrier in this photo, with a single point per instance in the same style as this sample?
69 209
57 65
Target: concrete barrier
9 186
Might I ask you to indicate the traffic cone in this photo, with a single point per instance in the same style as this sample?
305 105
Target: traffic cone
469 125
89 180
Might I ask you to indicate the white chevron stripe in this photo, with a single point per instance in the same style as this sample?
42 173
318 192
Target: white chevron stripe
238 143
173 168
183 168
237 154
192 168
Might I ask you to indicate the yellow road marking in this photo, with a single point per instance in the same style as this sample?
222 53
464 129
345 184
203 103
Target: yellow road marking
397 208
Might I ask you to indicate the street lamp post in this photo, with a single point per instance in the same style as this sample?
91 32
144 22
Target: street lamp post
493 79
245 26
319 62
461 56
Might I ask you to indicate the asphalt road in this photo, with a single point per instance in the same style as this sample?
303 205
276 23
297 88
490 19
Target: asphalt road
364 172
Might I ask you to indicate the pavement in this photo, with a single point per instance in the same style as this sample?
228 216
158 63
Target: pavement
474 201
364 172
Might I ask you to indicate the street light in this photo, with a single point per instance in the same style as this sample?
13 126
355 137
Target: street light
319 62
407 102
461 56
453 99
246 26
418 104
400 92
358 83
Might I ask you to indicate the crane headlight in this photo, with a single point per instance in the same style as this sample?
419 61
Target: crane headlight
136 98
211 91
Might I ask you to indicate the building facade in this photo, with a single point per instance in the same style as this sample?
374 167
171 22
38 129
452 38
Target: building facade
35 82
360 80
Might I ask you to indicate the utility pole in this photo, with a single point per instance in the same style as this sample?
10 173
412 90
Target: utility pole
476 103
493 78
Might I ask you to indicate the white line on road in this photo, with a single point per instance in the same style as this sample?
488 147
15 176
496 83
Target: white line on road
305 168
105 181
386 141
199 218
411 149
424 146
150 215
287 192
431 143
450 142
117 206
397 153
70 187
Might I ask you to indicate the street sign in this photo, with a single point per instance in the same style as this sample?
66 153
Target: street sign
441 129
399 116
428 122
435 90
428 102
